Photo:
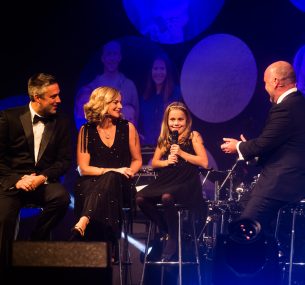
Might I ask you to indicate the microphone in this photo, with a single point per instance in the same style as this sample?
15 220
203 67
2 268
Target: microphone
174 138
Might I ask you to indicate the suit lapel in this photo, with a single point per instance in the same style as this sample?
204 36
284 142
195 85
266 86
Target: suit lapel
46 136
26 122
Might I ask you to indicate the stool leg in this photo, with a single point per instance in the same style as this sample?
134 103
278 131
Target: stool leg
120 263
162 275
179 247
292 246
146 252
278 219
17 227
196 250
125 257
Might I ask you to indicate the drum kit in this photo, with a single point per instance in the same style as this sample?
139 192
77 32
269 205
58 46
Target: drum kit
225 205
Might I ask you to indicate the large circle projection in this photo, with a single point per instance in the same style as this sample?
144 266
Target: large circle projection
172 21
218 78
300 4
299 66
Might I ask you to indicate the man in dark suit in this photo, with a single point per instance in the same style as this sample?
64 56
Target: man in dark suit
280 148
35 151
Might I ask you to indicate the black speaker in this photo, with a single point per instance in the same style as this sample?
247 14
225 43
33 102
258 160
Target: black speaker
243 263
49 262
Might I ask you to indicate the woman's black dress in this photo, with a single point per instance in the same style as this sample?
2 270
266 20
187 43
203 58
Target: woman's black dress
102 197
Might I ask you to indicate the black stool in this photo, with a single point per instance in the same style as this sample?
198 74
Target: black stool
294 209
124 253
180 262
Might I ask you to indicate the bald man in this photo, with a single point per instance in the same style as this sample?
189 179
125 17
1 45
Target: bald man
279 149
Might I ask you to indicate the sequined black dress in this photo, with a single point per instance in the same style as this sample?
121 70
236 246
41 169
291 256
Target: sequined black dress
103 197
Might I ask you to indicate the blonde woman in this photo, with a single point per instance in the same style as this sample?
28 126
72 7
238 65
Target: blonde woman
108 156
178 160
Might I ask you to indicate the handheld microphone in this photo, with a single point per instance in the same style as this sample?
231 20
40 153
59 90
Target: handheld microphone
174 138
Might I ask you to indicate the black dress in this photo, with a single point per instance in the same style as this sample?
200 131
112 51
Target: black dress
182 180
102 197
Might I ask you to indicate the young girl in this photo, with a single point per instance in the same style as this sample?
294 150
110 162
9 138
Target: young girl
178 181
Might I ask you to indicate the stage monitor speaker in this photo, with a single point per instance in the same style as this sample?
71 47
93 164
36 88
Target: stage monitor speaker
48 262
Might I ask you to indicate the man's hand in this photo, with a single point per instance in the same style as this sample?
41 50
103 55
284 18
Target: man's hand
229 145
30 182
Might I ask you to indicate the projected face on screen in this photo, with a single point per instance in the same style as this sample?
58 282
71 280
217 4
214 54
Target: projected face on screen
111 56
159 71
172 21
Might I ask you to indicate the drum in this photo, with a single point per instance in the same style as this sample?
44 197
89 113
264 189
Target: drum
220 215
244 189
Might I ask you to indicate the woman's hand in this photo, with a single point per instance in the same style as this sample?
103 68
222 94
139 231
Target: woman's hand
126 171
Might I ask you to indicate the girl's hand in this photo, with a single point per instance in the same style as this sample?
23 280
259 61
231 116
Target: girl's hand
172 159
175 149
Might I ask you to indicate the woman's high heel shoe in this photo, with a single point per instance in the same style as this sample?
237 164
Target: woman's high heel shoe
77 234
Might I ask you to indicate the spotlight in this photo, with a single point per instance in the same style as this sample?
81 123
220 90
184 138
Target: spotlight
245 231
245 256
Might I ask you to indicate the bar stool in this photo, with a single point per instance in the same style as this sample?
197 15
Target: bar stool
295 209
180 262
124 253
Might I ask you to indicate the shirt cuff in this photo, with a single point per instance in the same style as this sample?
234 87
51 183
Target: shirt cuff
240 156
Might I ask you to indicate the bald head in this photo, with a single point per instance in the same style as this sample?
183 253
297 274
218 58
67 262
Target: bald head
279 77
283 71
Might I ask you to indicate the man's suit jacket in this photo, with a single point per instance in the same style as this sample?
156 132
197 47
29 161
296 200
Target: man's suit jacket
281 151
17 147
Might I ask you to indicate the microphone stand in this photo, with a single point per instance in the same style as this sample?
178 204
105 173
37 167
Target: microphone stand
230 171
208 219
206 176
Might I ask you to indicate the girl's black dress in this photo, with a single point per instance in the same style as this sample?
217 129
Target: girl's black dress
182 180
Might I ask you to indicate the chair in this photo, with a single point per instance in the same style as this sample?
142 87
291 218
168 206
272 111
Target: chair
180 262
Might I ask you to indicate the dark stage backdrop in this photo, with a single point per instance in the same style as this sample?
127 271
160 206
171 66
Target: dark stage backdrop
219 53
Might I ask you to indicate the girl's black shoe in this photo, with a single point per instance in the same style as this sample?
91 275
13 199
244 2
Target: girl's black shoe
169 250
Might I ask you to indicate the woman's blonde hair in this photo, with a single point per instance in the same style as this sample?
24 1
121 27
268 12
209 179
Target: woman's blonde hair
164 139
96 109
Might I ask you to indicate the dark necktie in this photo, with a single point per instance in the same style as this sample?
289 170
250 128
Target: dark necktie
41 119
